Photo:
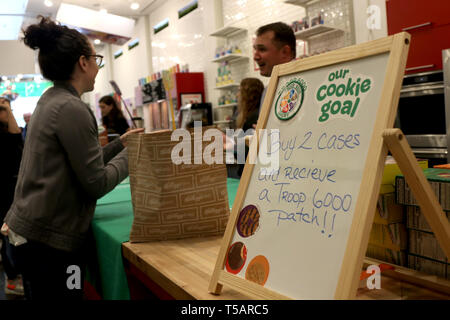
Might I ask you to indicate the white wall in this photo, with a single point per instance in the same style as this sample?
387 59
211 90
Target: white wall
363 33
251 14
15 58
133 64
126 70
183 41
186 40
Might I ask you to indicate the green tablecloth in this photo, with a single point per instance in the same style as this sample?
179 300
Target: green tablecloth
111 226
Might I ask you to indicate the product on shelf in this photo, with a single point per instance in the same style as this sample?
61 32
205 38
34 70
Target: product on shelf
223 51
229 49
304 23
224 75
229 97
218 52
316 20
185 68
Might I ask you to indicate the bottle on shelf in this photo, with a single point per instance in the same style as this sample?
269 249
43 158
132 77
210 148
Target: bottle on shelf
218 52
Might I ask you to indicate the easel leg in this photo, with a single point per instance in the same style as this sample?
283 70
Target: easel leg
429 205
215 287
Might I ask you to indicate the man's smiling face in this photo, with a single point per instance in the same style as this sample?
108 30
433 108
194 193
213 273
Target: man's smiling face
266 54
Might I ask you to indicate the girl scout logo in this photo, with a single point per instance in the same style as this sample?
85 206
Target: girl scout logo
290 99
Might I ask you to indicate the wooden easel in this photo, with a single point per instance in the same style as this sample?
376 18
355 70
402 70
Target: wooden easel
383 139
395 142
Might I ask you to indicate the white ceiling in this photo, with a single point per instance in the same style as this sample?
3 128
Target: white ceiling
117 7
37 7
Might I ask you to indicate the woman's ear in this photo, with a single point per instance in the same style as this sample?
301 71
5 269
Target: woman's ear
286 52
83 63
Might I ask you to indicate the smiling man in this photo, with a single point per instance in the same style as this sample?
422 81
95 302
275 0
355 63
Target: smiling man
275 44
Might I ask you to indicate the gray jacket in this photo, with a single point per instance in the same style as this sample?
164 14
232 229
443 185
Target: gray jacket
63 171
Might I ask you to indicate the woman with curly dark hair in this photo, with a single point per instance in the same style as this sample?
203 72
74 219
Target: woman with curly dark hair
112 116
249 97
63 169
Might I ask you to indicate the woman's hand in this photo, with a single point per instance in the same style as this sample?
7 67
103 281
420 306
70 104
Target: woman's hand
12 124
228 142
124 137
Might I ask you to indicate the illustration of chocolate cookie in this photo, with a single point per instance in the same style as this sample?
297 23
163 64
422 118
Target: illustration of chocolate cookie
237 254
248 221
258 270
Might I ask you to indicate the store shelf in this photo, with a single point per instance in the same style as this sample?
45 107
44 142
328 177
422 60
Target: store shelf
315 31
228 86
233 57
226 105
300 3
227 32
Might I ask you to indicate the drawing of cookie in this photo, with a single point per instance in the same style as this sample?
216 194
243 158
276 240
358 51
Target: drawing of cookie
258 270
236 257
248 221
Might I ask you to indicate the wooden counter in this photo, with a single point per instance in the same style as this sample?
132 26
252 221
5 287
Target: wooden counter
183 268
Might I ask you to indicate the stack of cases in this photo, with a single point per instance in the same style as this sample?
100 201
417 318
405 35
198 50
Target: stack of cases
388 237
424 252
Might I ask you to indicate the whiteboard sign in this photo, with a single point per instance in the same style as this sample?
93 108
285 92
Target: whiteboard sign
290 227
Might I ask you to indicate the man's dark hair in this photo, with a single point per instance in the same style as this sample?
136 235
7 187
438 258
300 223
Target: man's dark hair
283 35
59 48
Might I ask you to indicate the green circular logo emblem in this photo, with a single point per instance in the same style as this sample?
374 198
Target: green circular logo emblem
290 99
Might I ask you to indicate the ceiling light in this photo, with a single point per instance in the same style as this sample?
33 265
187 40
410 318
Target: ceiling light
97 41
48 3
134 6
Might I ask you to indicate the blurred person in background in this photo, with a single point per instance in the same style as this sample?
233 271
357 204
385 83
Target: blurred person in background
249 98
112 116
26 118
11 145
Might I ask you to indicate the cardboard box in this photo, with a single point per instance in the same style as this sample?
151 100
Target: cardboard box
391 169
397 257
416 220
428 266
387 188
425 244
439 180
391 236
388 211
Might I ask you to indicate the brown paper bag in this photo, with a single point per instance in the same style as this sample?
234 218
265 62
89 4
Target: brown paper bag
174 201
